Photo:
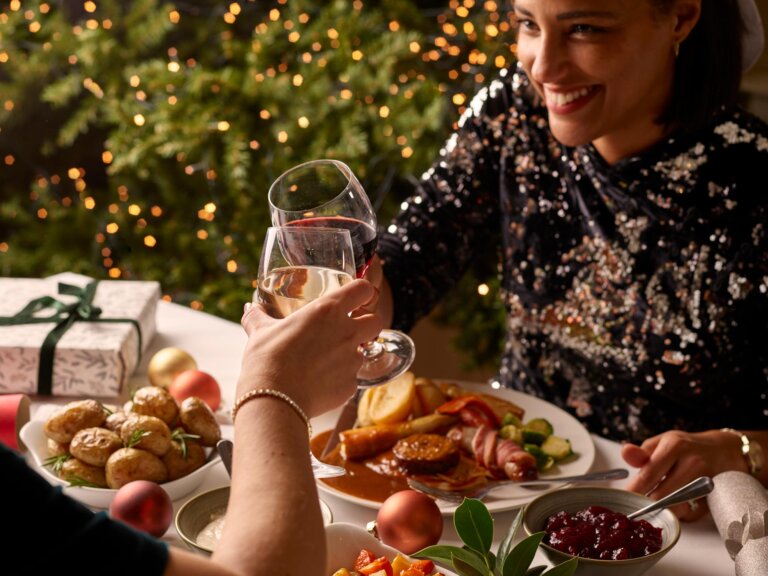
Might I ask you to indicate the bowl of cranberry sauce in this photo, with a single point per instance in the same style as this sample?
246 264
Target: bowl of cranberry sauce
591 523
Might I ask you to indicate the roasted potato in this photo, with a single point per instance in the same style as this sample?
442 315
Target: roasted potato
147 433
72 417
80 473
129 464
198 418
157 402
183 458
94 445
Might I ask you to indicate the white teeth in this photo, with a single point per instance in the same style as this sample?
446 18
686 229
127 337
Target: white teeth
560 99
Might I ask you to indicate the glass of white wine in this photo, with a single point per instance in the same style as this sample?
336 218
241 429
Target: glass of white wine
297 266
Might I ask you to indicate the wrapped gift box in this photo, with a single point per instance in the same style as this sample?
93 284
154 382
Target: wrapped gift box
92 358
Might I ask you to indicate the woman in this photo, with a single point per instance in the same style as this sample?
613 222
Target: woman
271 467
616 173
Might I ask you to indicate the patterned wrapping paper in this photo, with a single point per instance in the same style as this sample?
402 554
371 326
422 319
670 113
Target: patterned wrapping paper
92 358
739 506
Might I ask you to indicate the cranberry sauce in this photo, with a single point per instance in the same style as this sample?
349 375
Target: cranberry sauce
598 532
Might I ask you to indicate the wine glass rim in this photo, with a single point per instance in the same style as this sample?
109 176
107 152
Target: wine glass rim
310 230
343 168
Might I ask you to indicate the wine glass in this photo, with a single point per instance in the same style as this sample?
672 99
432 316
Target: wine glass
327 194
298 265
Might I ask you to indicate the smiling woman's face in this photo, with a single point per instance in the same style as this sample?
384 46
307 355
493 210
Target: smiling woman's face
604 68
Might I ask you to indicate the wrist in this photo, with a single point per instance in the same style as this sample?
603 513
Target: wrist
751 451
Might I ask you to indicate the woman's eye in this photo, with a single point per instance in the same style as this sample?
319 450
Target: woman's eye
524 23
584 29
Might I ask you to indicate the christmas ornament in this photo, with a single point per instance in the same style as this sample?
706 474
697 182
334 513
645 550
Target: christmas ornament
196 383
143 505
409 521
166 364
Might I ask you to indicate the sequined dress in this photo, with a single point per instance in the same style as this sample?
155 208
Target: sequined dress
636 293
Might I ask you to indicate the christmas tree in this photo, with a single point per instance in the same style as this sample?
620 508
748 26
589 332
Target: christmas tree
138 138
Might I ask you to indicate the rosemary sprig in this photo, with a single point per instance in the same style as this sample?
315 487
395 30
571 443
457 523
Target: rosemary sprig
136 437
56 462
180 436
80 482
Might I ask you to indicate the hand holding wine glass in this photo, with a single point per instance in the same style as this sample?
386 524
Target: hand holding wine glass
299 265
326 193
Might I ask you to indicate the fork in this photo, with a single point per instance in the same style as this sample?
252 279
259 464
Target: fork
481 492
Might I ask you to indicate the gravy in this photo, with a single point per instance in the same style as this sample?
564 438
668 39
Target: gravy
375 478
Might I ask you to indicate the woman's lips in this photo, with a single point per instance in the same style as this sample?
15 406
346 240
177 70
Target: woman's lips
566 102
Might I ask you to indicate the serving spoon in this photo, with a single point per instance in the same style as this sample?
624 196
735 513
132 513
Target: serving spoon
224 448
702 486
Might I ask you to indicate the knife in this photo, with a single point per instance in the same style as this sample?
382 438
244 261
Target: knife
346 420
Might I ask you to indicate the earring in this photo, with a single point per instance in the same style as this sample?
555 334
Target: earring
676 49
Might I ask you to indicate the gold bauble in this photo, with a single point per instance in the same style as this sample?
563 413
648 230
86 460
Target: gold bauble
166 364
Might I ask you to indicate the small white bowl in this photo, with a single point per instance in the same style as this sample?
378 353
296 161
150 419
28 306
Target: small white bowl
34 438
197 512
575 499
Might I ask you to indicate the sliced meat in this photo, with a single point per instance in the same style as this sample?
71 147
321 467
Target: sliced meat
426 453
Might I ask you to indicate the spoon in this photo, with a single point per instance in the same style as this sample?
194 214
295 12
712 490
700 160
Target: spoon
691 491
224 447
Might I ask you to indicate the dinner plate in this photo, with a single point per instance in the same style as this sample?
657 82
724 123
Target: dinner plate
36 441
511 497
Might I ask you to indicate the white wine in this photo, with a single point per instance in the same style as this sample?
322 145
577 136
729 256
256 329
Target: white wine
285 290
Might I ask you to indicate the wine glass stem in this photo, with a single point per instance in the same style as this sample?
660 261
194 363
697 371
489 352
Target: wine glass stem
372 349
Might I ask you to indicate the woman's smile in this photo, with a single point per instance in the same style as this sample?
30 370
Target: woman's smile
560 101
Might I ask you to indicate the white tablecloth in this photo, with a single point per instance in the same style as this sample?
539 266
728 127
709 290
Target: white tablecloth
217 346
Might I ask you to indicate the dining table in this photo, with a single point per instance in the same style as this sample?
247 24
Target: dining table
217 346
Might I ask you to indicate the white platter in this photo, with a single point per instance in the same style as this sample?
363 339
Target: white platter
34 438
344 542
508 498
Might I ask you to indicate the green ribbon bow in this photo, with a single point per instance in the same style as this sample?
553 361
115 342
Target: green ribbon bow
82 309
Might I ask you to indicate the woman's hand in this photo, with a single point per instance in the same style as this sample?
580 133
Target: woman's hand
672 459
311 355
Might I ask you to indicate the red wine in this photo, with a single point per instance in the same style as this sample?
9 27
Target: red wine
363 236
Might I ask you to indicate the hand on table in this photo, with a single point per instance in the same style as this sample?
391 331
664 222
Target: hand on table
311 355
668 461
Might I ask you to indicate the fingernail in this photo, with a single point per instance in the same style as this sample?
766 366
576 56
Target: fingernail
246 307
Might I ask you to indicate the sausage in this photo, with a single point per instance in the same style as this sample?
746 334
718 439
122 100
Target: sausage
426 453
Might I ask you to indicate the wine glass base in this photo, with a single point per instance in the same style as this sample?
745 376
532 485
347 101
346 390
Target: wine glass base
391 354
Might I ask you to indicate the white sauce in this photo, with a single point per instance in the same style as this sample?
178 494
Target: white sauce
210 535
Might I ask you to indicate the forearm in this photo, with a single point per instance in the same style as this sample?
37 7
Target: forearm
756 437
273 523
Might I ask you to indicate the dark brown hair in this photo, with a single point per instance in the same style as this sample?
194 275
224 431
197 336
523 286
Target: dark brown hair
708 68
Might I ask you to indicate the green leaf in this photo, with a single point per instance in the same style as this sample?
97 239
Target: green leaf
463 568
535 571
506 545
565 569
474 525
521 556
437 553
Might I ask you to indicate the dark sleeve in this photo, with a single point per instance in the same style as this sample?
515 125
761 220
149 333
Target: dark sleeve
453 215
58 533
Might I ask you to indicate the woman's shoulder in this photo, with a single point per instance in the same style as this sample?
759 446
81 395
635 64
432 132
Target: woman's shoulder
509 95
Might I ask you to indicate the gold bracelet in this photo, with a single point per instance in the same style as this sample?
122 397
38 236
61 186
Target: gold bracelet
260 393
752 452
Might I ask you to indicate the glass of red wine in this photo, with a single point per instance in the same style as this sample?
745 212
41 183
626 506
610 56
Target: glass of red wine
327 194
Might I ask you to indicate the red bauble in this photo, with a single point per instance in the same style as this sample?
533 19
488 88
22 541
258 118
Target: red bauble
409 521
143 505
196 383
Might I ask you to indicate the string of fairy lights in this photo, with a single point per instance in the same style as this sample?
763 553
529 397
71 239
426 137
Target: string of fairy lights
466 46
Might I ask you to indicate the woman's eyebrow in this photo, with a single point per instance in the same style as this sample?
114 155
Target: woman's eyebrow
574 14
